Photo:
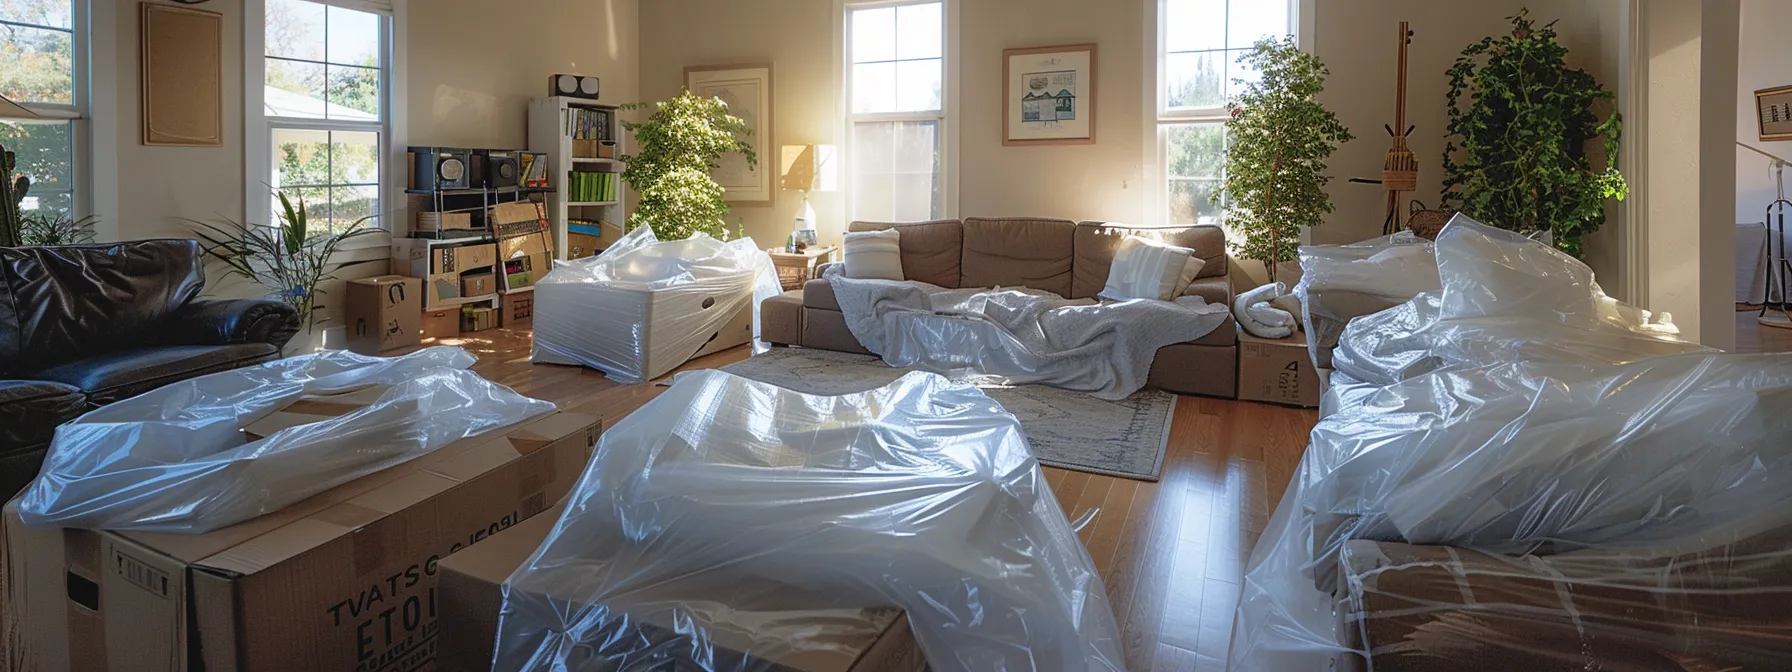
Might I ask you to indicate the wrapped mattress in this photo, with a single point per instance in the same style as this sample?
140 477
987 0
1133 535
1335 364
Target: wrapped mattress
1512 467
644 307
713 523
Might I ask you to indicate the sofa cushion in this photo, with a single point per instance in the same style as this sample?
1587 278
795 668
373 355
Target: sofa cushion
781 318
827 330
1096 243
1019 252
1193 369
931 251
30 410
62 303
121 375
1214 290
820 294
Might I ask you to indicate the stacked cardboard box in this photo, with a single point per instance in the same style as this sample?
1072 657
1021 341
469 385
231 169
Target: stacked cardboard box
441 266
1277 371
383 313
345 580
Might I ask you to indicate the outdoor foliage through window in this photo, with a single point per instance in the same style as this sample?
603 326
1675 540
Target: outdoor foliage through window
1202 42
37 68
323 99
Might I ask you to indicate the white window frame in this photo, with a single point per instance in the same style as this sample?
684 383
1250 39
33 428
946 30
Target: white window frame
945 116
1159 117
259 128
82 87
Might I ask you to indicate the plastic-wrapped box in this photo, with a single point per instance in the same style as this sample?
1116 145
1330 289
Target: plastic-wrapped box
1517 473
644 307
713 522
1341 282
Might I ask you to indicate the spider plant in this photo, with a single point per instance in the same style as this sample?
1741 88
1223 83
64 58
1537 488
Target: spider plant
290 260
55 228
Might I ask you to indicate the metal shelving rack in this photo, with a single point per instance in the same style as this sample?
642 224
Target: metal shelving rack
547 134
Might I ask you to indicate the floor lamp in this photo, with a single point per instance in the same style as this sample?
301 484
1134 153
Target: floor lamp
1777 264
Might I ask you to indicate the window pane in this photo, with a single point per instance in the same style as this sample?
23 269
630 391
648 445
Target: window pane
874 87
294 89
354 37
301 157
1238 74
1194 80
896 175
314 201
36 65
354 158
1252 20
295 29
45 153
348 205
1188 202
58 202
1195 25
874 35
918 33
1195 150
354 93
53 13
918 85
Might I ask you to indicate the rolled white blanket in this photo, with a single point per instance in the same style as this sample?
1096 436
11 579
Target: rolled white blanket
1261 319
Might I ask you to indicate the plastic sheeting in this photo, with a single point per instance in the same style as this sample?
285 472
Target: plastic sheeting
715 519
176 459
1515 473
644 307
1342 282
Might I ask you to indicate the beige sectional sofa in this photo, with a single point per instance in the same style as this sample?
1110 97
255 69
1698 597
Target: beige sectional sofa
1056 255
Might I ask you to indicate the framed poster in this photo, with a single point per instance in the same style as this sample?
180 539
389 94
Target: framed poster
183 76
747 89
1773 113
1050 97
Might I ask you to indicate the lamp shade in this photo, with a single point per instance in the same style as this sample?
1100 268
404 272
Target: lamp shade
806 167
12 110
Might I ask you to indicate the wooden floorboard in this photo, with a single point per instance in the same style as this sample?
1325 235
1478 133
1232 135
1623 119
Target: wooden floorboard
1171 553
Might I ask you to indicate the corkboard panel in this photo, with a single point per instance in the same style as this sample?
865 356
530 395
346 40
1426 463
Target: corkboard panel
183 76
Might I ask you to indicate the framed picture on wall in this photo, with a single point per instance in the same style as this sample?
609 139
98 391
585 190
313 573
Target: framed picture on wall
1773 113
747 89
183 76
1050 96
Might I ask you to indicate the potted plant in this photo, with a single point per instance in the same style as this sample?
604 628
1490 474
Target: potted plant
55 228
289 261
677 147
1277 141
1520 122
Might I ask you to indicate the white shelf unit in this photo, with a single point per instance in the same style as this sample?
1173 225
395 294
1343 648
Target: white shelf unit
548 133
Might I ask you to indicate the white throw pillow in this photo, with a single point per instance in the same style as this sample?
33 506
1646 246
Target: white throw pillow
1149 269
874 255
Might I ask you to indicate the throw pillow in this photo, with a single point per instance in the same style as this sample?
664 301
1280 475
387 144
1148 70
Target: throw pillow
874 255
1149 269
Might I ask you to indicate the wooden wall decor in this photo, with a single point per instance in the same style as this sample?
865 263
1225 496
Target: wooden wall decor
182 76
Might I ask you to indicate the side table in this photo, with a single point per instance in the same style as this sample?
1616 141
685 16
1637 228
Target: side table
796 268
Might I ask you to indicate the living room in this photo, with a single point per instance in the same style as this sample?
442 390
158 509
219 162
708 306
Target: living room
894 335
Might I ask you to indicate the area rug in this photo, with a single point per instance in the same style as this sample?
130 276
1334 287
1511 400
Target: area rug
1067 429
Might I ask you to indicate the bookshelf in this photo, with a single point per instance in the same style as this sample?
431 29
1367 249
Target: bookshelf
553 123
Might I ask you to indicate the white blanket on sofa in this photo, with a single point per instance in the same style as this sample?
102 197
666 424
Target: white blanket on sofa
1020 335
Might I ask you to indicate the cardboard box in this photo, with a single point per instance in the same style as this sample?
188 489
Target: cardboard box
517 310
383 313
437 221
525 259
478 318
441 266
1276 371
344 580
479 283
587 240
471 594
441 323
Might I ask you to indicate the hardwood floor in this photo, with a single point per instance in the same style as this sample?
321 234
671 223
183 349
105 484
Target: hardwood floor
1171 553
1752 337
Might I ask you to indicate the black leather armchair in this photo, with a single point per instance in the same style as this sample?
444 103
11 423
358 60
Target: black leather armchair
82 326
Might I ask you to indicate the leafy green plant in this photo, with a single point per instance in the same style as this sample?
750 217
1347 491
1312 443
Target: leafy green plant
290 260
678 146
1278 139
12 193
55 228
1517 155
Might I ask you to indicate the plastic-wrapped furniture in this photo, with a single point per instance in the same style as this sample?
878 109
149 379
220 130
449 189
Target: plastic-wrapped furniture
714 521
644 307
1339 283
1518 474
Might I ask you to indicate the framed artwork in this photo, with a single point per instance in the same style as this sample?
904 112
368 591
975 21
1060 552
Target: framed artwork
1773 113
747 89
183 76
1050 97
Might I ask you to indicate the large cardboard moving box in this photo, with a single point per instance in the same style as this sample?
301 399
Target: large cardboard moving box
471 595
343 581
383 313
1277 371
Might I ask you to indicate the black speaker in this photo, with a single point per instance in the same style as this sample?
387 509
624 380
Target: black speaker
574 86
441 168
501 169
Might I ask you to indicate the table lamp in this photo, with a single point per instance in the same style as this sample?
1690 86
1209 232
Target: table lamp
806 168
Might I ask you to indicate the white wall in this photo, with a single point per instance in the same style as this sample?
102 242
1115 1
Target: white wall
1762 63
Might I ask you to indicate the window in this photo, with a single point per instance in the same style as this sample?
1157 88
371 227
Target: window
324 103
37 70
1199 42
895 77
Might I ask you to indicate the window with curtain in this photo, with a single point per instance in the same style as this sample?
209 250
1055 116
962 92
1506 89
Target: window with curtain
37 70
896 70
325 106
1199 42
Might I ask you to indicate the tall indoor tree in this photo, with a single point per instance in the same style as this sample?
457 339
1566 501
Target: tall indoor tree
676 149
1520 123
1277 141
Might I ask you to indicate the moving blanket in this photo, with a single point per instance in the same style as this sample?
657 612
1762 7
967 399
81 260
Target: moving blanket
712 524
1017 336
